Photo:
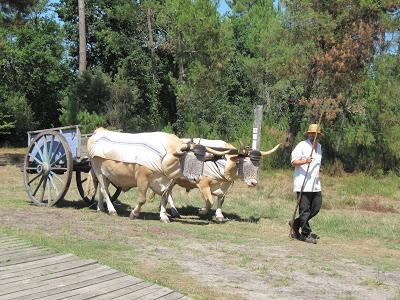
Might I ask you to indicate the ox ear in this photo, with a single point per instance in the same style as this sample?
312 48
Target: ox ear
263 153
234 158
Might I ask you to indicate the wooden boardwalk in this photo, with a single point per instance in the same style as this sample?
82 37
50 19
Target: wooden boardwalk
28 272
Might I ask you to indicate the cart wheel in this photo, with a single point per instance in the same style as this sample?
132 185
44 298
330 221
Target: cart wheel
81 178
47 168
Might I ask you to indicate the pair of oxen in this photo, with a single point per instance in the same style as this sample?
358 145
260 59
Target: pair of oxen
158 161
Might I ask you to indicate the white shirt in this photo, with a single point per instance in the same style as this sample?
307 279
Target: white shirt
302 151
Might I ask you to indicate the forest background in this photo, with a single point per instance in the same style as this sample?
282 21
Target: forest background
180 66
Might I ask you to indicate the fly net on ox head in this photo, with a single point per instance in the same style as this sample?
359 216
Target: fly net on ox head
192 162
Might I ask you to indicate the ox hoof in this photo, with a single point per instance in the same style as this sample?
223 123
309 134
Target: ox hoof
175 213
164 219
220 219
112 213
133 216
203 211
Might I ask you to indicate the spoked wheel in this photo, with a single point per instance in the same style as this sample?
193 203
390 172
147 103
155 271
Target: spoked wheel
47 168
81 180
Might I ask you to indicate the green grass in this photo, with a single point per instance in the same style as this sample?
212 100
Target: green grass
367 185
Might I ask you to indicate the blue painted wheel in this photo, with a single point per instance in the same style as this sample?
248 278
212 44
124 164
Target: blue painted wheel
47 168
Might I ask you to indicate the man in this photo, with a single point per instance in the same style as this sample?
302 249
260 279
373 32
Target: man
306 159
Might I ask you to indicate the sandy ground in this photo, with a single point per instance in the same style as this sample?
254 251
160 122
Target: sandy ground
254 270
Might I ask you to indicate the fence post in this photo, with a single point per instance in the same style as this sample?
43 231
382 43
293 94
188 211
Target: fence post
258 114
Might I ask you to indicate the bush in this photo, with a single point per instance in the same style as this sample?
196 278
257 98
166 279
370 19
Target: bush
90 121
334 168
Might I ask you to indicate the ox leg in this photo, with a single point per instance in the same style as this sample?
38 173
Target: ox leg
104 183
100 204
206 193
174 211
218 213
143 185
97 174
163 212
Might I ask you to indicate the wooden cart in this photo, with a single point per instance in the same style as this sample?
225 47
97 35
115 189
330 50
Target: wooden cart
53 154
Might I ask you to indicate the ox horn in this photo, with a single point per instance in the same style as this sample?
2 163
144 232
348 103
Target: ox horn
270 151
216 152
182 149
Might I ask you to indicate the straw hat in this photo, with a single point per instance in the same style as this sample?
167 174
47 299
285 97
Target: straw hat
314 128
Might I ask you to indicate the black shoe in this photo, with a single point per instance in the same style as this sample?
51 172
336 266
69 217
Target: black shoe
314 236
294 232
308 239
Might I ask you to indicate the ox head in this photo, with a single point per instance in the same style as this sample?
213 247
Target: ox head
193 156
249 164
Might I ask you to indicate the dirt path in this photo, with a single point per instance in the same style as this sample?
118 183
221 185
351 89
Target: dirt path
217 268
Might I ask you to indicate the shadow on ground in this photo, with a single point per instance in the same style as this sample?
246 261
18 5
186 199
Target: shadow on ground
188 214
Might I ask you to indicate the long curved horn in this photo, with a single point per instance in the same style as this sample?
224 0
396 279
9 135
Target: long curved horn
220 153
270 151
182 149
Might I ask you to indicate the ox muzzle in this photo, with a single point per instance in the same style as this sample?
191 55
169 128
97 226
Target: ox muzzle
249 166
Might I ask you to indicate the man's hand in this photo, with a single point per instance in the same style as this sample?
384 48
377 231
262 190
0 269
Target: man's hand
308 160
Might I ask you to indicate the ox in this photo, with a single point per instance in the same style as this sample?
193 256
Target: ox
220 173
143 160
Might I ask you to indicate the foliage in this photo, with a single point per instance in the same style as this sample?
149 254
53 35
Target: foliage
182 67
34 72
90 121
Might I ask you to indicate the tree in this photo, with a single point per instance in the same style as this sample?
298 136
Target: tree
34 73
82 36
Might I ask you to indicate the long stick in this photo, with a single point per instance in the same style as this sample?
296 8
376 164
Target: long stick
305 178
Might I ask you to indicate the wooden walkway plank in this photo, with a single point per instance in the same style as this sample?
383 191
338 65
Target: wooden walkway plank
61 285
74 267
163 291
8 238
17 255
14 281
171 296
28 273
94 289
68 287
11 245
140 293
54 281
50 266
11 250
125 291
35 264
27 259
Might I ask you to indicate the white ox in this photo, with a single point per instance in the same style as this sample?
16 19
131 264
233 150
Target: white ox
220 173
143 160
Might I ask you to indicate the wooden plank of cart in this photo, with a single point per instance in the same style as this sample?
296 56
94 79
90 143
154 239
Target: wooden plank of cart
52 155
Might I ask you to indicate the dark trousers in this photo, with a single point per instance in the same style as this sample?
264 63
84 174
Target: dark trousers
309 206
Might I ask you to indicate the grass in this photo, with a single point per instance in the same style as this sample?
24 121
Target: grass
255 238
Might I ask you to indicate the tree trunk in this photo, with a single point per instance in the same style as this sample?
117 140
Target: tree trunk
82 37
181 71
150 43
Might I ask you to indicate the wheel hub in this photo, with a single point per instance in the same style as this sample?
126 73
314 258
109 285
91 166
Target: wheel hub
43 169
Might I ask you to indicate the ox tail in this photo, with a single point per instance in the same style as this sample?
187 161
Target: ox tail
151 194
91 185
